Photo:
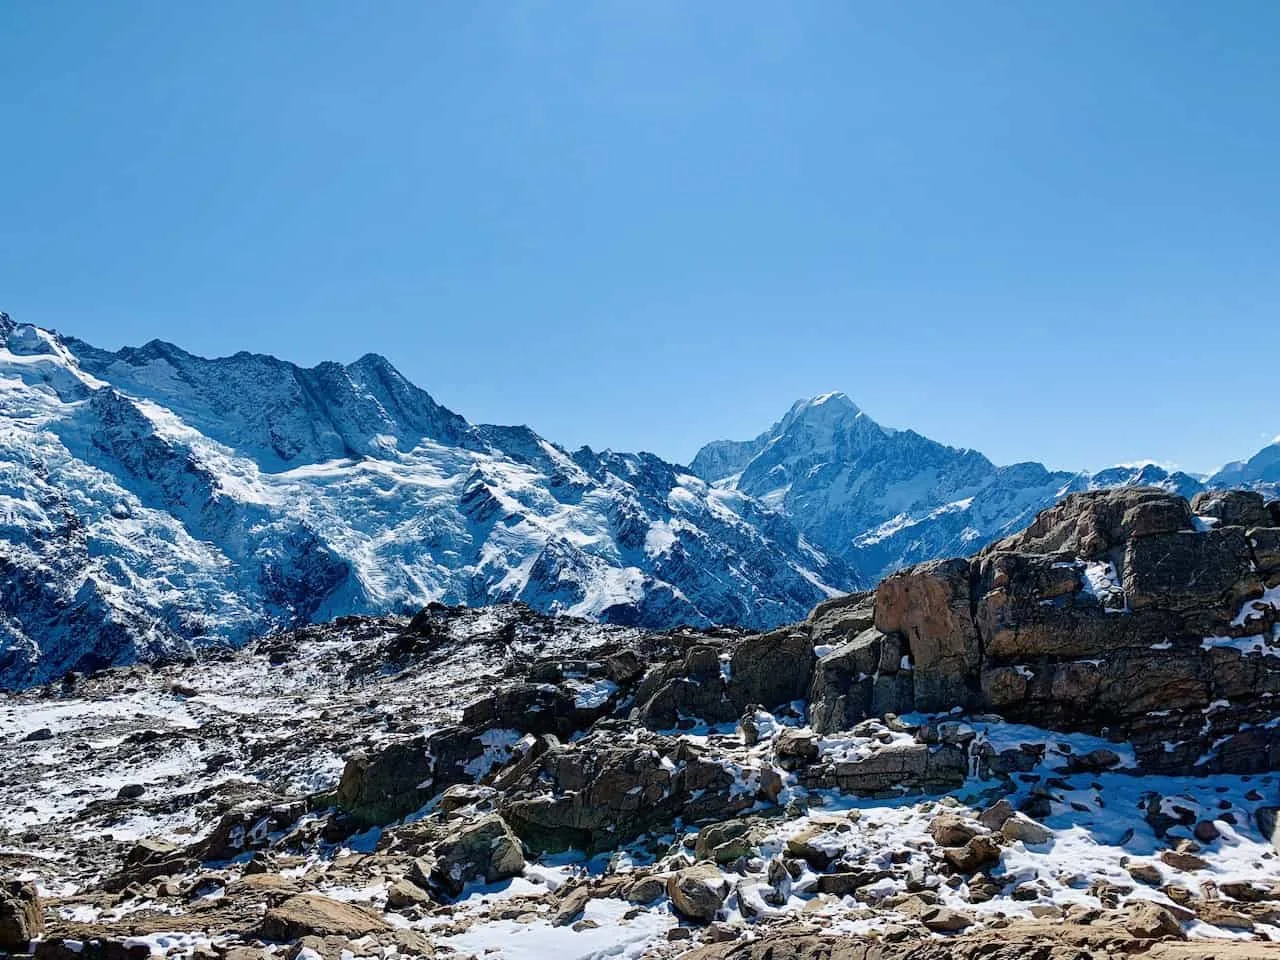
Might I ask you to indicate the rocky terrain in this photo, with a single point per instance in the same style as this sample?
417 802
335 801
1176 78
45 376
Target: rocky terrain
1060 747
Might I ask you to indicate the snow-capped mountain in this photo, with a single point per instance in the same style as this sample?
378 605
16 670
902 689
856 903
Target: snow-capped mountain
1261 471
881 498
151 499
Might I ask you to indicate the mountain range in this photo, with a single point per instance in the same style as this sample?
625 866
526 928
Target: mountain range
152 500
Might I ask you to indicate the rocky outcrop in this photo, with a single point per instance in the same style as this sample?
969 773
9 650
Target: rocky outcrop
21 919
1104 939
381 787
603 790
482 852
1118 612
868 676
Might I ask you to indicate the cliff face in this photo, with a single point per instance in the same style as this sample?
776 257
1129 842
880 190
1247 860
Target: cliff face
1128 613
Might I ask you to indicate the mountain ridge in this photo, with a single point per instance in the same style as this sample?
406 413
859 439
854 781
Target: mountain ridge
151 499
216 500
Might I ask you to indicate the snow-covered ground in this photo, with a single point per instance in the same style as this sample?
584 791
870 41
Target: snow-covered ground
288 728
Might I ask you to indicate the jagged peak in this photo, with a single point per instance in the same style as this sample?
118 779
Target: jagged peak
375 362
827 413
832 402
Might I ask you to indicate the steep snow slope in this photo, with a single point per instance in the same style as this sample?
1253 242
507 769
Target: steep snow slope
151 499
881 498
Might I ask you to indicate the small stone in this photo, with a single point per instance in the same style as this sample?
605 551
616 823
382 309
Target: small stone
1021 827
131 791
945 920
1147 873
1150 921
1183 861
679 933
1206 831
977 853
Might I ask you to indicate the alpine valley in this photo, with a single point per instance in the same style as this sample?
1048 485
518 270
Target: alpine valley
152 501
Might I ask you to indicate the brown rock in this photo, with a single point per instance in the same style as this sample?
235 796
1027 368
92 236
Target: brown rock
571 906
994 816
930 606
1147 873
483 851
698 892
21 919
1183 861
1151 921
945 920
310 913
951 830
772 668
977 853
404 893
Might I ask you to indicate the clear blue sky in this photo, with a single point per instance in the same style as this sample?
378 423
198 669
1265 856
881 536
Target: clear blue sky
1045 230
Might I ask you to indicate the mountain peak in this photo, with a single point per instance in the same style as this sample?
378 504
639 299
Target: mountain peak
825 411
833 398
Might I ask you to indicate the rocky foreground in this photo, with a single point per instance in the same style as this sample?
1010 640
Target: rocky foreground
1063 747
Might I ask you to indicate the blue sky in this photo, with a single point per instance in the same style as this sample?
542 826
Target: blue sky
1045 230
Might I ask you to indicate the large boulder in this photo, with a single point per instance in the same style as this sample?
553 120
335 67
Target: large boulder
1232 508
842 618
931 606
485 851
892 769
772 669
21 919
1091 524
535 708
312 914
402 777
867 676
698 892
605 790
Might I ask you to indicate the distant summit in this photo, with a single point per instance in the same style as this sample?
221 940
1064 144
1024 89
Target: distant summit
882 499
